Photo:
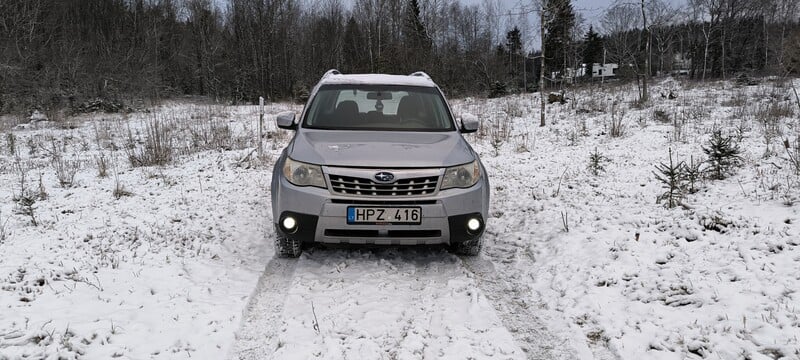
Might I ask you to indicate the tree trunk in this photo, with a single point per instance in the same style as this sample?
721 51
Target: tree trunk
541 68
723 51
646 32
705 51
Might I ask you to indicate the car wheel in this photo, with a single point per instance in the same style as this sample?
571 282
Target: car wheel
287 247
467 248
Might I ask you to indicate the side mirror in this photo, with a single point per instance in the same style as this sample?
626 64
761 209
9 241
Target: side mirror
285 120
469 123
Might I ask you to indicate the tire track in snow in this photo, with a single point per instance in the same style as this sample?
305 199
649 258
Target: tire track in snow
257 336
511 299
527 329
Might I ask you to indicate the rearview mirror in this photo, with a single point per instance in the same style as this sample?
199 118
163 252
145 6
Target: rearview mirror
469 123
379 95
285 120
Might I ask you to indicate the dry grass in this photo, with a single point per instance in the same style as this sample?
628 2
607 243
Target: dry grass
157 148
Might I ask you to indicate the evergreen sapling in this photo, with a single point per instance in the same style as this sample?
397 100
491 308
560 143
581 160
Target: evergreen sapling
596 161
693 174
672 177
723 155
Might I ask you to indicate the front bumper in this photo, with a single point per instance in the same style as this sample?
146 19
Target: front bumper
322 216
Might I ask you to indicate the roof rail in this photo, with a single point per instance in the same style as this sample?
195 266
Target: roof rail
421 74
331 72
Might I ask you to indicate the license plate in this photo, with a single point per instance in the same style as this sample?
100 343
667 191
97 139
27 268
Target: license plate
384 215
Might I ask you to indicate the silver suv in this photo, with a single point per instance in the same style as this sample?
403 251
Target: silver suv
378 159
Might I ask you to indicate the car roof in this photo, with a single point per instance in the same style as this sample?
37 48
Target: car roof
416 79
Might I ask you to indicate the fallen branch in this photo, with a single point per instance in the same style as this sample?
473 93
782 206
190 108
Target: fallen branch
316 323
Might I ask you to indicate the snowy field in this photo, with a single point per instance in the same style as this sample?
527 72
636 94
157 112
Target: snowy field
176 261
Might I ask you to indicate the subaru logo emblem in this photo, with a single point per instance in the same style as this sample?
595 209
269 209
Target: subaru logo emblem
384 177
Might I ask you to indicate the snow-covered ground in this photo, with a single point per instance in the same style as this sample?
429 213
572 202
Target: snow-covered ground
176 261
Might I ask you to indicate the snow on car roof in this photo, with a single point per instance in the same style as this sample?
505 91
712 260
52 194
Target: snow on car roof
378 79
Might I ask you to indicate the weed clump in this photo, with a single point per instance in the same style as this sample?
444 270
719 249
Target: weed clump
157 149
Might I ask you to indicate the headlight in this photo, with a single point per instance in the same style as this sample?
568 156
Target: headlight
302 174
462 176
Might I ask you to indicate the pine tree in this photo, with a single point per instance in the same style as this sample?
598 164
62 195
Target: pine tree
513 52
693 174
596 160
416 39
672 177
723 155
592 51
353 52
560 21
514 41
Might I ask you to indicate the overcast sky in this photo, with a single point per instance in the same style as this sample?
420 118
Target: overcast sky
592 11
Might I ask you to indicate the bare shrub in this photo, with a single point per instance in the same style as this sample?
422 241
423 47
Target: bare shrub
616 126
278 138
793 151
3 232
499 133
523 142
513 108
593 104
661 116
102 165
65 170
102 134
42 195
119 190
738 100
157 147
769 117
678 129
210 133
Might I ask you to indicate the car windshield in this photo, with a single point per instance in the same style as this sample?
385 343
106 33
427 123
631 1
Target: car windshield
378 107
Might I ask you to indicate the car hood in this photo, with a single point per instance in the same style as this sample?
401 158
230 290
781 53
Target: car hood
380 149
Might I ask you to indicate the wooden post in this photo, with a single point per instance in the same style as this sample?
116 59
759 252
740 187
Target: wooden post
260 125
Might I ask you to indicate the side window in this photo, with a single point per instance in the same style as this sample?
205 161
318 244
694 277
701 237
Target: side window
322 107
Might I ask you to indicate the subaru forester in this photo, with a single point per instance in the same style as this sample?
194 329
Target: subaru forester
378 159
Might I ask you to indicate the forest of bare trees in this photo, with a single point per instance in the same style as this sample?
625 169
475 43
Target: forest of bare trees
58 53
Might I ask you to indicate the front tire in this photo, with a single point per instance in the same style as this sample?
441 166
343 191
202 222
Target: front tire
468 248
287 247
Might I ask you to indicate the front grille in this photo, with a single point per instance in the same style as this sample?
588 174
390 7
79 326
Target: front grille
349 185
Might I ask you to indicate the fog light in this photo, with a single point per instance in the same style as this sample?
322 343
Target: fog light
289 224
473 225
